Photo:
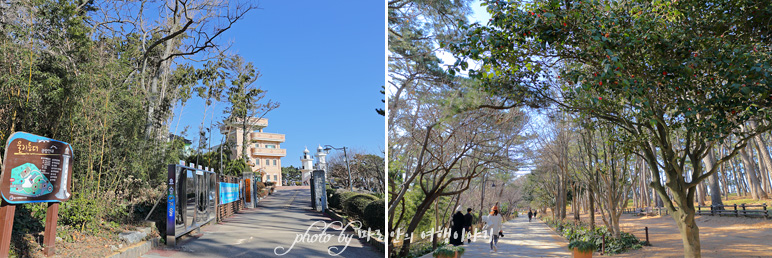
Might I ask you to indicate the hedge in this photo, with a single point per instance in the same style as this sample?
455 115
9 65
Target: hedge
339 197
355 205
330 193
374 216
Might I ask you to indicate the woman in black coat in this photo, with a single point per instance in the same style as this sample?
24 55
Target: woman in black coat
457 227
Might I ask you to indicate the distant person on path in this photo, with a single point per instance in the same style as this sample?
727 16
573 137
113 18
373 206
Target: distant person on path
468 218
535 212
530 214
494 224
457 228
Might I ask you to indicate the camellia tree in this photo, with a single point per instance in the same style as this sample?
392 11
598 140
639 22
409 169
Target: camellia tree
677 77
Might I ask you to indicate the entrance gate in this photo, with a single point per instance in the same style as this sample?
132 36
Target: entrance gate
191 200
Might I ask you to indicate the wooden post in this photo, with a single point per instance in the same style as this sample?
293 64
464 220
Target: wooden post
49 235
766 214
744 214
699 210
735 210
647 235
6 225
603 247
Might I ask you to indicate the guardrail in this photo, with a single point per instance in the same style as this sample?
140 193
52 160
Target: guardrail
744 210
647 211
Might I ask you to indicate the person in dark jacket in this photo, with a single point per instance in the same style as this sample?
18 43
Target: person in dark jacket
530 215
468 218
457 228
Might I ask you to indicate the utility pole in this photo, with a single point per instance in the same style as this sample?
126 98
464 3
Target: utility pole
351 186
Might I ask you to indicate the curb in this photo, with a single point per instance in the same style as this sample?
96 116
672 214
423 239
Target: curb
136 250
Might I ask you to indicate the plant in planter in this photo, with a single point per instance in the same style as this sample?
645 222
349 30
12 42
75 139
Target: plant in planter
582 249
448 251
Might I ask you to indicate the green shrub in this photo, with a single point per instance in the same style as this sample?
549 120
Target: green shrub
338 197
330 193
448 251
355 205
582 232
374 216
582 246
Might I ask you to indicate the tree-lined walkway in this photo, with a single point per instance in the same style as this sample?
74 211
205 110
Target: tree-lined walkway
276 221
521 239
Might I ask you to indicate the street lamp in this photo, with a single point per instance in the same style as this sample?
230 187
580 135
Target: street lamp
345 156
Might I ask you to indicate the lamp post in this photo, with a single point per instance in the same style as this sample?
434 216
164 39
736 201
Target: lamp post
345 156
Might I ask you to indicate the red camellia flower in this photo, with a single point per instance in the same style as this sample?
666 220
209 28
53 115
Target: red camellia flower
600 98
664 73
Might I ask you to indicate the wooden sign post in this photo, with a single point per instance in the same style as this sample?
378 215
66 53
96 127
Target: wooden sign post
35 169
6 225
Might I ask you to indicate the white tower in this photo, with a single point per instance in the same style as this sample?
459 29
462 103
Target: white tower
307 166
321 162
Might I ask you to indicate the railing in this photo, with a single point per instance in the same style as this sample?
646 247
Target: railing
647 211
225 210
744 210
269 152
274 137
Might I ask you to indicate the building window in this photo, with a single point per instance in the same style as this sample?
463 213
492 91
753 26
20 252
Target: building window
257 162
275 178
270 146
274 162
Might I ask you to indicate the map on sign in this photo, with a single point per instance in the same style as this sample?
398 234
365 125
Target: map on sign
36 169
26 180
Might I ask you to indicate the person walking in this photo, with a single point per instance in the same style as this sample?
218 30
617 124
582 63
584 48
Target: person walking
457 228
535 212
468 218
494 224
530 214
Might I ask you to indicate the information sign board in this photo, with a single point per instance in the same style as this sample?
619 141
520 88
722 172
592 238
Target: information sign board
229 192
36 169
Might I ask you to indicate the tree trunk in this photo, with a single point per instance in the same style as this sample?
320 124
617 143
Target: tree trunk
575 204
739 187
756 192
690 233
763 155
715 190
591 199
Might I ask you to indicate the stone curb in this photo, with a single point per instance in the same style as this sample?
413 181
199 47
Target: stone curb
136 250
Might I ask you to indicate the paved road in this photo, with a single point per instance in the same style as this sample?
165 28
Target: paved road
276 222
521 239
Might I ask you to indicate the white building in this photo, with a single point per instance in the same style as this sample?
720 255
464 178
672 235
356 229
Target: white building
308 166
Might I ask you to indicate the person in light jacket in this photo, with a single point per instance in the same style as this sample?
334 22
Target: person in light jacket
494 224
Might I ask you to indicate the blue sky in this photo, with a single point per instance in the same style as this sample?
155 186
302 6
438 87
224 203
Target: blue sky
323 61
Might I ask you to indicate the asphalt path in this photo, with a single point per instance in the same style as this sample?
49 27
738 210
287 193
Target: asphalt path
283 225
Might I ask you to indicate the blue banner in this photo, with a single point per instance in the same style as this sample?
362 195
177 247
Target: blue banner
229 192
